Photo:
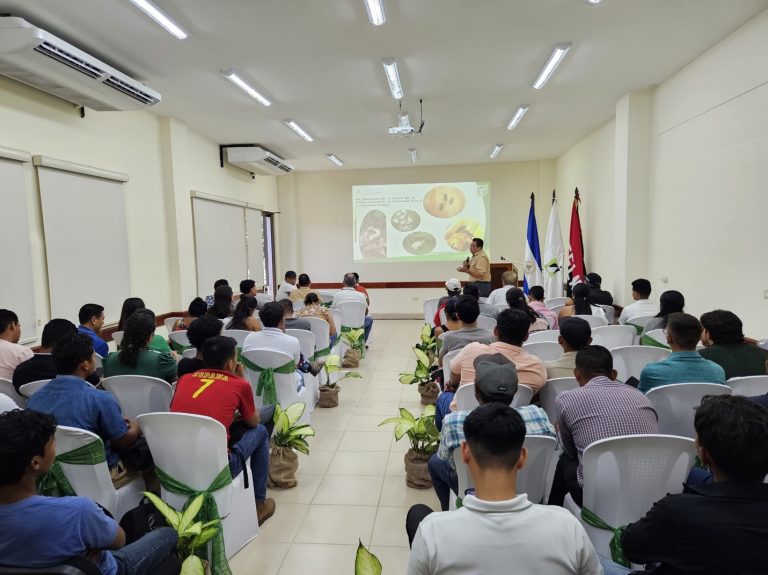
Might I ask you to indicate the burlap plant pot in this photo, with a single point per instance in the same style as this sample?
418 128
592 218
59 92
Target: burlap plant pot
416 470
429 392
283 464
329 396
351 358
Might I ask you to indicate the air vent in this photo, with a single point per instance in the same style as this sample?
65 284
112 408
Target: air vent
69 59
129 90
256 160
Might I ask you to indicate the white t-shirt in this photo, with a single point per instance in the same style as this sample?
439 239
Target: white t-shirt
284 291
11 355
513 536
499 296
348 294
273 339
641 308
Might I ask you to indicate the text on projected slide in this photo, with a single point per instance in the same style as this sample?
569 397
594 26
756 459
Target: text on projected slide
418 222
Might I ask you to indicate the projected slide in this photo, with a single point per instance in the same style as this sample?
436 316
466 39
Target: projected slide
418 222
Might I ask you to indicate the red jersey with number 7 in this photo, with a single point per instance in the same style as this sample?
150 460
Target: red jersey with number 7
214 393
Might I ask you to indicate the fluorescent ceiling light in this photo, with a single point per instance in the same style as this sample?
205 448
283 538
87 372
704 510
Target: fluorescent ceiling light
299 130
593 2
414 157
496 151
393 77
521 111
376 12
334 159
154 12
558 53
240 83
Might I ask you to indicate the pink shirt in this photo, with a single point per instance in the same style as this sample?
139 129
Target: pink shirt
539 307
530 369
11 355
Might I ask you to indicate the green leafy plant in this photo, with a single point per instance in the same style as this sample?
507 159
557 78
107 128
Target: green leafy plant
366 563
193 535
427 340
421 373
354 337
287 433
332 366
421 431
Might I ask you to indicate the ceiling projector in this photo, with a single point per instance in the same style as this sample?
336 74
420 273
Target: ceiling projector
404 127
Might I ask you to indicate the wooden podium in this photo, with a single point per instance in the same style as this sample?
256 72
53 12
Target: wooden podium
497 270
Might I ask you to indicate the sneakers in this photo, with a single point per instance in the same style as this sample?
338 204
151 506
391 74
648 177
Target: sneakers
265 509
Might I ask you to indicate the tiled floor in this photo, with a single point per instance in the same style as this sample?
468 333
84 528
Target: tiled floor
352 484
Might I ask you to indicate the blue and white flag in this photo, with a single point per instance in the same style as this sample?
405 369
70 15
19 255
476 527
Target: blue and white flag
532 263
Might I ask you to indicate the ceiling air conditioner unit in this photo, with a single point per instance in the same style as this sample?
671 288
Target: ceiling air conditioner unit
255 159
38 58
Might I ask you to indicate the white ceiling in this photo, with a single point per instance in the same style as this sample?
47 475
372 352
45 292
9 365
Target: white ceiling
319 61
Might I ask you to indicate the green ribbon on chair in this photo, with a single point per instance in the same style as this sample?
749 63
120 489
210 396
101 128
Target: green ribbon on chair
178 348
208 512
617 553
360 344
320 353
638 328
266 386
646 339
54 482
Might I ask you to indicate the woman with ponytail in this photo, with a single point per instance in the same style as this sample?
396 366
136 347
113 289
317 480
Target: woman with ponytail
582 304
516 300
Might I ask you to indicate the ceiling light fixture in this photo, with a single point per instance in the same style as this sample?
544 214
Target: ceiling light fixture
240 83
558 53
154 12
334 159
521 111
414 157
376 13
298 129
393 77
593 2
496 150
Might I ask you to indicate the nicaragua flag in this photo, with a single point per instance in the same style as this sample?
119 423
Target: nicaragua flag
577 270
532 263
554 253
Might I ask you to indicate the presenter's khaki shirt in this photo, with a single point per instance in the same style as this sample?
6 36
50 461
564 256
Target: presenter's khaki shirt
480 263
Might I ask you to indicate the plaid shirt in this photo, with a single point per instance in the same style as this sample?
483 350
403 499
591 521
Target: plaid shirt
452 434
599 410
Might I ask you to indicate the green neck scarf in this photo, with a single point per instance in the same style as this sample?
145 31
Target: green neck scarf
266 386
208 512
360 346
617 553
54 482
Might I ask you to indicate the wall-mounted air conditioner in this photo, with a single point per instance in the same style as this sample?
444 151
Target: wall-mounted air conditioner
257 160
38 58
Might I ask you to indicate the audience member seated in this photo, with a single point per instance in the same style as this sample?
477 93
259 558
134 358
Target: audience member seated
596 294
220 391
453 289
243 318
582 304
452 322
196 309
467 310
209 299
684 365
511 331
11 353
40 366
724 344
601 408
305 288
273 336
642 307
495 380
287 286
130 306
719 527
248 289
575 333
76 403
499 295
536 302
516 300
91 318
361 288
44 532
497 530
292 322
485 309
348 293
200 331
134 357
313 307
222 303
670 302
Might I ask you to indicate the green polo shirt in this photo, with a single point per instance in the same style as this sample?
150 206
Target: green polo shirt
150 363
158 343
737 359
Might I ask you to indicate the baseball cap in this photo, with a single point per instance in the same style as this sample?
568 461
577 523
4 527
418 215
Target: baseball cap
453 284
496 377
594 279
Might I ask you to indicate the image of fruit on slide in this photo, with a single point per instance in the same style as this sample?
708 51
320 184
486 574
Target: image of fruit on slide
418 222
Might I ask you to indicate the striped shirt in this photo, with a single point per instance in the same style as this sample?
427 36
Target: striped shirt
452 434
601 409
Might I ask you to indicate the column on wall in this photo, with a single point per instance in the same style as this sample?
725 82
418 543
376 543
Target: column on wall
288 228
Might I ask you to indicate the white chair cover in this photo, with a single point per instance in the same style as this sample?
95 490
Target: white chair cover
238 335
430 309
593 320
551 390
285 383
629 361
546 335
117 337
29 389
487 323
353 313
139 394
676 405
263 298
447 358
748 386
612 336
321 329
168 322
190 353
523 396
6 388
544 350
465 397
500 307
658 335
641 320
307 344
179 337
555 302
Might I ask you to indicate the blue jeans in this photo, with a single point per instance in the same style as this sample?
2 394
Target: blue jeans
444 479
368 324
145 555
443 407
253 444
611 568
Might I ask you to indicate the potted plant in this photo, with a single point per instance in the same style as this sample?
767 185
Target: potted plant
424 437
355 339
329 391
428 389
287 439
428 342
193 535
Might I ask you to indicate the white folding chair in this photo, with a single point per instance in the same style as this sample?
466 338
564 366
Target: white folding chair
610 313
238 335
500 307
546 335
6 388
193 450
321 329
447 362
551 390
593 320
326 295
555 302
462 474
430 309
465 397
352 316
657 335
523 396
556 308
307 344
139 394
179 338
611 336
676 404
190 352
263 298
544 350
297 305
487 323
286 388
630 360
168 322
95 481
748 386
117 337
640 321
29 389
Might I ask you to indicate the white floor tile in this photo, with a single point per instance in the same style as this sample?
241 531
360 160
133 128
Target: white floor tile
395 493
303 492
358 463
389 527
366 441
349 490
306 559
343 524
394 560
283 525
259 556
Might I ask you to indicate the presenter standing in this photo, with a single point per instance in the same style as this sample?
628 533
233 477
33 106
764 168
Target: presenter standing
478 268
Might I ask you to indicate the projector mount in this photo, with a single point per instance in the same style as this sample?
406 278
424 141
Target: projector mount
404 127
